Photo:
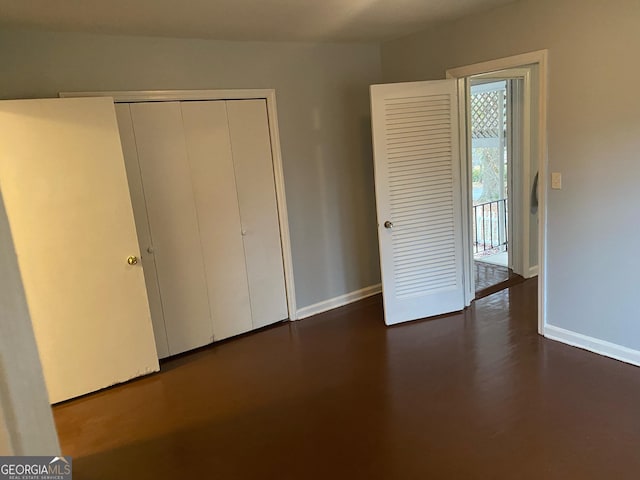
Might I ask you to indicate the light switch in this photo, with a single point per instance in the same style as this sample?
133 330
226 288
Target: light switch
556 180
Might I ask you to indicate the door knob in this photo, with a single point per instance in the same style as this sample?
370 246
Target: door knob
388 224
132 260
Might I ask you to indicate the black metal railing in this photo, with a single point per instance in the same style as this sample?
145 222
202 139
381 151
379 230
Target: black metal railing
490 226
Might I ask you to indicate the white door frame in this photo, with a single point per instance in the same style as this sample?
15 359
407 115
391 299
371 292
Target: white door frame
539 58
269 95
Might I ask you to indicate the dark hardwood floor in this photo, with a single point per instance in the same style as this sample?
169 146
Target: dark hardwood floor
475 395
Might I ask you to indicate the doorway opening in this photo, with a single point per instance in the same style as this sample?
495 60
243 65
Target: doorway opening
502 166
495 123
526 195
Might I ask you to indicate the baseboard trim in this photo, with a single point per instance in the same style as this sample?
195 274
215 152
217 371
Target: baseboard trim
339 301
595 345
533 271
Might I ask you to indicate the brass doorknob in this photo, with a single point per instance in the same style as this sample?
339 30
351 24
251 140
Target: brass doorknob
132 260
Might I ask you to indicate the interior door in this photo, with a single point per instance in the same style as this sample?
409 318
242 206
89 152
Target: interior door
418 196
63 180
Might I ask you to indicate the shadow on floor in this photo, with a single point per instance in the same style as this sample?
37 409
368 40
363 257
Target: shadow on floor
492 278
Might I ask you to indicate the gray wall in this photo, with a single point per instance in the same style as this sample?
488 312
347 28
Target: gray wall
593 229
323 106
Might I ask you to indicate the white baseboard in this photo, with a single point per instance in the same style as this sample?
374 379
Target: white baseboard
533 272
594 345
340 301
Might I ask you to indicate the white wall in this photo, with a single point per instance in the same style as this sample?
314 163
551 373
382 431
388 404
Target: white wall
323 106
26 422
593 140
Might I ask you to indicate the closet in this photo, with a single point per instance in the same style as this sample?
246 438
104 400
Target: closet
201 179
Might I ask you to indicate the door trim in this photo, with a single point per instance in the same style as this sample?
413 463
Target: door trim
539 58
269 95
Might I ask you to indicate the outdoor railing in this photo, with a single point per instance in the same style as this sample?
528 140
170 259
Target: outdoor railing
490 226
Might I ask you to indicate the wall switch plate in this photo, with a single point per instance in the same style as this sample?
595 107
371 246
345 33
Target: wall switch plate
556 180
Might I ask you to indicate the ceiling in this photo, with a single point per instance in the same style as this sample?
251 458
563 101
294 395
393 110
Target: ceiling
269 20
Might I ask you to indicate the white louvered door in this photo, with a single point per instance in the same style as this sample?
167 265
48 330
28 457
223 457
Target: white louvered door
418 196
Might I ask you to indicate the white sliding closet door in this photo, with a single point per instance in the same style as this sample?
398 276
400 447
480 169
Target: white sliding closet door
214 189
251 146
173 221
202 183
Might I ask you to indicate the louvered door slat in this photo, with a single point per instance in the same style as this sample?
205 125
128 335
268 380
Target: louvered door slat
415 133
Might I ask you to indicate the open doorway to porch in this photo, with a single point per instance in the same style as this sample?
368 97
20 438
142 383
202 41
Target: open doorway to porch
527 195
497 111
